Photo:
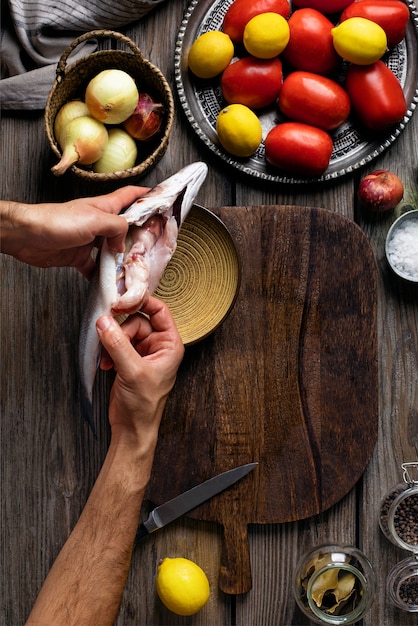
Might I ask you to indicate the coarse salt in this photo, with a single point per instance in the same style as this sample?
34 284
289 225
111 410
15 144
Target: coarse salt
403 248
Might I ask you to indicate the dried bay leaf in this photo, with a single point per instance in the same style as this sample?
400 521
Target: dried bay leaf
316 564
334 590
313 566
344 589
326 582
346 582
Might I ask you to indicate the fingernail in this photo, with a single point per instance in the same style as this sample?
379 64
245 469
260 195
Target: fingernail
116 247
104 322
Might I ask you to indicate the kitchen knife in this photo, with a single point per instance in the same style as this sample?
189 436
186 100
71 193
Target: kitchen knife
178 506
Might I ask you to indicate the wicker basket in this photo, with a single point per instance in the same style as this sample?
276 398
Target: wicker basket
71 82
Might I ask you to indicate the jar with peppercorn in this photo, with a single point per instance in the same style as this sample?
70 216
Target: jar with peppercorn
399 523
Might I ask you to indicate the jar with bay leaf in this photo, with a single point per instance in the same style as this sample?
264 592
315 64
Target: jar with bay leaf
334 584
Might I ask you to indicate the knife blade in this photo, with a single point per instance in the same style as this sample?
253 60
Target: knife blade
181 504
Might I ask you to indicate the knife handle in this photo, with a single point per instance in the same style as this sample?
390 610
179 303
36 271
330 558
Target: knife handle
141 532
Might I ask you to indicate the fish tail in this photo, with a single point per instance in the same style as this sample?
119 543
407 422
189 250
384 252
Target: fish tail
87 412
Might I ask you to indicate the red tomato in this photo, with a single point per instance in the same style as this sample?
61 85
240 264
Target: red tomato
241 11
298 148
313 99
391 15
253 82
376 95
324 6
311 45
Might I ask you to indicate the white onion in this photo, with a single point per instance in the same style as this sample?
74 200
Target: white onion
120 153
111 96
69 111
82 141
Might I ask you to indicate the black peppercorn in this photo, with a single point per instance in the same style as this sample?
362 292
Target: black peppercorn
402 584
399 516
408 590
406 520
385 507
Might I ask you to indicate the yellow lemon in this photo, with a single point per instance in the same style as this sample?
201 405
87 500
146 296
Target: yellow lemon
359 41
182 585
266 35
239 130
210 54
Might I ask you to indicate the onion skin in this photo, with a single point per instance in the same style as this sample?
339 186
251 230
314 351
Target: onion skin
111 96
83 141
120 153
146 119
69 111
380 191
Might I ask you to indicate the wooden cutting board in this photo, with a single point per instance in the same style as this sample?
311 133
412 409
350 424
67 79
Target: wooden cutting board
288 380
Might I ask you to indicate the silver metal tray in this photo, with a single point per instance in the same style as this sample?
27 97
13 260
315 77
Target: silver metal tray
202 101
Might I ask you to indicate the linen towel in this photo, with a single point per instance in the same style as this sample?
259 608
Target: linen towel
35 33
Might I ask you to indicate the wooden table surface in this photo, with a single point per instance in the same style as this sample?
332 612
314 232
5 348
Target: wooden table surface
49 460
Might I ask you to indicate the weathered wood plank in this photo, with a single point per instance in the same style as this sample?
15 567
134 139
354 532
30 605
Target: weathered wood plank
49 460
398 384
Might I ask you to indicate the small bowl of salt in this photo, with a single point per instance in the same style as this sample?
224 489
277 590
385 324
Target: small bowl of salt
402 246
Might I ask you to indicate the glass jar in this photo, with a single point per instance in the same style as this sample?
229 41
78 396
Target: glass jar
398 521
402 585
334 584
398 518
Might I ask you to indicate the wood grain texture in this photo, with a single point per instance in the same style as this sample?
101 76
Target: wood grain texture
288 380
48 459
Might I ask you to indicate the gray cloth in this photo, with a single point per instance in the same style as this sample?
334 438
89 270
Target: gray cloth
35 33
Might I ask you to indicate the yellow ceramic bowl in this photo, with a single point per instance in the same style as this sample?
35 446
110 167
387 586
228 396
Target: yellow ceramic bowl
201 282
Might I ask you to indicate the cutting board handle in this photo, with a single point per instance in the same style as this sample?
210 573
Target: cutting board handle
235 571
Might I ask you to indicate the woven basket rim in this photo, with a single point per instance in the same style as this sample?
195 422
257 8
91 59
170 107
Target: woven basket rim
64 72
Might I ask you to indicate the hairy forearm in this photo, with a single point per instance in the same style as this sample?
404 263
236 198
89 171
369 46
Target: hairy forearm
25 232
13 230
86 582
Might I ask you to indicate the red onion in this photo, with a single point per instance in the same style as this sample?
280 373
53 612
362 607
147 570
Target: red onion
146 119
380 191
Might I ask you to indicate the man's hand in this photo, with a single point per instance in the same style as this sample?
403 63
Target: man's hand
86 581
146 353
64 234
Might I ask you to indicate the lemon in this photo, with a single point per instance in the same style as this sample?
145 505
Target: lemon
266 35
210 54
359 41
239 130
182 585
